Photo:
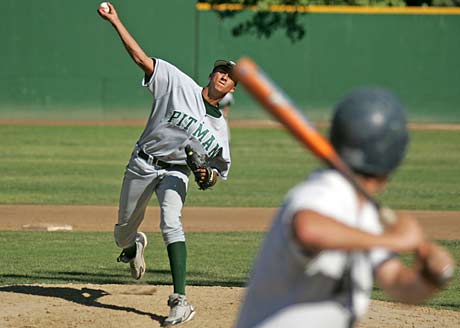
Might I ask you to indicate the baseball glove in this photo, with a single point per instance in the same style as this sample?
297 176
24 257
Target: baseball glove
205 176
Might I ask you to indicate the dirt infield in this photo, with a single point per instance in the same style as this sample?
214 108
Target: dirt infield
438 225
107 306
45 306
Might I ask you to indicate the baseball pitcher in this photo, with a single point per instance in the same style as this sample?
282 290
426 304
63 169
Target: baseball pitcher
185 132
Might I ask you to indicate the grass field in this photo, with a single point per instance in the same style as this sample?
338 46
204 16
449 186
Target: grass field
215 259
85 164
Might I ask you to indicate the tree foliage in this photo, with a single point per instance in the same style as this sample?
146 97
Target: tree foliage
382 3
264 22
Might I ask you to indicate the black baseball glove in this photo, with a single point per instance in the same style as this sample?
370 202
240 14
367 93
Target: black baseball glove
204 174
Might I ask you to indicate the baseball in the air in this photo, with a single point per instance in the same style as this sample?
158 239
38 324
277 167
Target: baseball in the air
105 7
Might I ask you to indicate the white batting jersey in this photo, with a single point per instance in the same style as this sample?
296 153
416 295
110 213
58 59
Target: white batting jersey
329 289
180 116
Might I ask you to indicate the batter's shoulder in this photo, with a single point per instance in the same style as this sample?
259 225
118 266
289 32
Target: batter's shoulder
323 186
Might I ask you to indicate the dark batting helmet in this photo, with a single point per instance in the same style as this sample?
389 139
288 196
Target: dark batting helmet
369 131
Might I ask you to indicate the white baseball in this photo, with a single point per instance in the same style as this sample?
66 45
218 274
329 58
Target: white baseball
105 7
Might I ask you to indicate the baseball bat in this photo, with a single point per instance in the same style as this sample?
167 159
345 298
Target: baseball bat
277 103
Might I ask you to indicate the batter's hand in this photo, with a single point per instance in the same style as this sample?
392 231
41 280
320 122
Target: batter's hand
111 16
405 235
436 264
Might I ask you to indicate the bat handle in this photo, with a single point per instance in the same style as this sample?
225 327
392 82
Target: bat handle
387 216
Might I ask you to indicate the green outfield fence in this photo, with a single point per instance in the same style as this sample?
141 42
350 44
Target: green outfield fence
59 60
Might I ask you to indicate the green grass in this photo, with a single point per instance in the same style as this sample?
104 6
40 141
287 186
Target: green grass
215 259
85 165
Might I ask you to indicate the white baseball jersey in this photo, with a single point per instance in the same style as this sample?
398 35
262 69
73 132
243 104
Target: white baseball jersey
290 287
181 116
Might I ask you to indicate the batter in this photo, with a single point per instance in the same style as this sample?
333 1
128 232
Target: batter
317 265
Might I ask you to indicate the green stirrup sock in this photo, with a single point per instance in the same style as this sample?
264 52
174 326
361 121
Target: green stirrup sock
177 253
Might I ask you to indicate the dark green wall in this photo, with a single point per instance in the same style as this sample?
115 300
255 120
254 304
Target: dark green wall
415 55
60 59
